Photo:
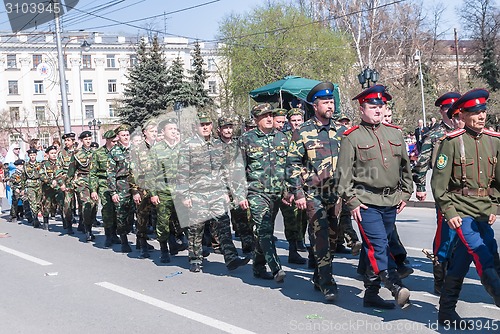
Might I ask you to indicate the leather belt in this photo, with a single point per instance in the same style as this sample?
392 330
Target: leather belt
378 191
480 192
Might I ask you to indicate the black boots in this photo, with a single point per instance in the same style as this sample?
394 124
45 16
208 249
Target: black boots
372 286
311 261
144 248
46 223
393 283
439 271
164 257
114 237
293 255
89 236
237 262
125 246
108 242
491 282
448 302
301 246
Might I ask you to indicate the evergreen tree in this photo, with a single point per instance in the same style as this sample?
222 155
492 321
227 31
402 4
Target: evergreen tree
200 96
146 92
178 89
490 71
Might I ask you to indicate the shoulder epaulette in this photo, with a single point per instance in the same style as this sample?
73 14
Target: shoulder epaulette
347 132
392 126
491 133
455 133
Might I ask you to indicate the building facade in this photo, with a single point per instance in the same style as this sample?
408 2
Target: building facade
96 68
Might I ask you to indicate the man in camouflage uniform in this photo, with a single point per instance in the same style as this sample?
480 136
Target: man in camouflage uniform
122 186
250 124
141 164
293 228
67 195
264 151
98 184
466 185
445 237
160 181
311 164
202 185
15 183
32 183
78 178
50 188
239 217
374 178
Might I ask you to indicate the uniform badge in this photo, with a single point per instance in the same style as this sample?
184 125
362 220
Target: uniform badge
441 161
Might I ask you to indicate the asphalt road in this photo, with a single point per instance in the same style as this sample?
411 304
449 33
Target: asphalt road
55 283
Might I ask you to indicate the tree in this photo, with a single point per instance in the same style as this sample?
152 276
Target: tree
179 91
482 19
277 40
146 92
200 97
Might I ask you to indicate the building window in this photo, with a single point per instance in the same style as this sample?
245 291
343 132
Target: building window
87 86
40 113
44 139
37 59
212 87
86 61
15 138
112 86
11 61
14 114
111 110
39 87
133 60
89 111
110 61
211 64
13 87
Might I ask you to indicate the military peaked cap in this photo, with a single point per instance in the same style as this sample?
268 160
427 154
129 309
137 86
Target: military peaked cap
50 148
446 100
373 95
110 134
261 109
222 121
322 91
279 112
69 135
31 151
294 111
19 162
122 127
204 117
472 101
85 134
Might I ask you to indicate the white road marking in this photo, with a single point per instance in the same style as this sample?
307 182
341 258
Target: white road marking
25 256
220 325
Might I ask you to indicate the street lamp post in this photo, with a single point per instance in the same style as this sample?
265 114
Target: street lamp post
178 111
85 46
418 57
94 126
368 75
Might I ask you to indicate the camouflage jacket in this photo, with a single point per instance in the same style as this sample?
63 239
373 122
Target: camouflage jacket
373 167
98 167
202 168
428 153
63 160
79 166
141 163
312 159
161 177
120 168
264 159
15 180
49 169
481 169
31 176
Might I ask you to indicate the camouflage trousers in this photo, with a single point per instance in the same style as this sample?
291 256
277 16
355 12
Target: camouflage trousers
66 202
86 204
33 202
346 231
14 207
49 200
243 226
213 209
108 212
124 207
263 210
293 220
323 231
143 211
165 211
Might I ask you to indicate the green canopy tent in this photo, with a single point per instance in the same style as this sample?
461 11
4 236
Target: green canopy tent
289 88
